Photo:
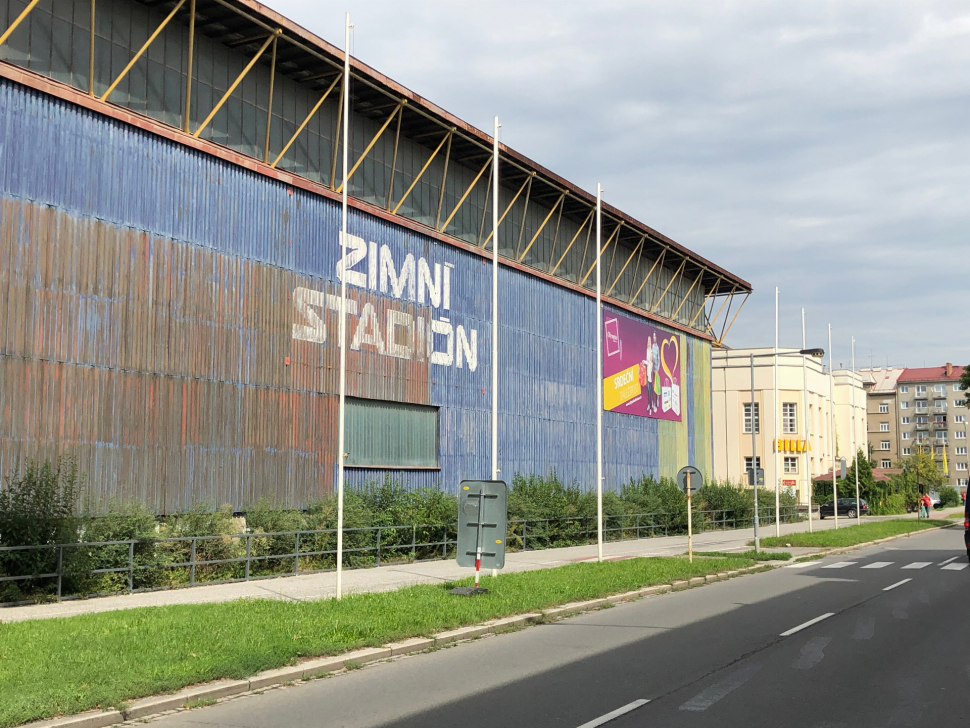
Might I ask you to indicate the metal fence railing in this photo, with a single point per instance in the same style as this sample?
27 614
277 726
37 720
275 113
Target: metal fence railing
77 570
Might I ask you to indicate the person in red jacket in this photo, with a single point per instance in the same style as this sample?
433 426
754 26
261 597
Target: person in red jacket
924 507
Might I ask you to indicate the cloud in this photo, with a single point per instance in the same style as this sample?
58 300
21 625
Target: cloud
820 147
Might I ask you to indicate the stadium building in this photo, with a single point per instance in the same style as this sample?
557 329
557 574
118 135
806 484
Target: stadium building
170 269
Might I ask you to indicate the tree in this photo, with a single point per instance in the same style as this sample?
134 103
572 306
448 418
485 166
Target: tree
920 470
965 378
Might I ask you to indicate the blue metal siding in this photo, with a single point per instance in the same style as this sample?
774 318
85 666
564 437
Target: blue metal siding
225 227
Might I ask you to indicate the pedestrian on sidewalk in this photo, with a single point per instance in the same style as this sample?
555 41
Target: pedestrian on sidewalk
924 506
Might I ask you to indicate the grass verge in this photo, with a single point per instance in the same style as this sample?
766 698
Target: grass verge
851 535
61 666
753 555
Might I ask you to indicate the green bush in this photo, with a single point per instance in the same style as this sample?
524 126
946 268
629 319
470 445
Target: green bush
37 507
949 497
893 504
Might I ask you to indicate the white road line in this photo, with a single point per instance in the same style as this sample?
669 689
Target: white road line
954 567
706 698
918 565
944 563
615 714
898 583
801 565
840 564
809 623
878 565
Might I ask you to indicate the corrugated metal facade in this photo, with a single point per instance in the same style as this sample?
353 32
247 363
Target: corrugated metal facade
158 325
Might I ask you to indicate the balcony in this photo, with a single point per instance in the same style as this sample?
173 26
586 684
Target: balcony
918 425
939 410
919 410
939 425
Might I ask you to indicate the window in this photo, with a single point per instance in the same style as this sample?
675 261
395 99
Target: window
904 405
960 403
382 434
960 435
920 390
791 466
883 427
939 403
961 466
961 450
957 387
905 420
747 418
883 408
884 445
920 404
747 462
788 419
941 435
904 389
961 481
885 463
922 419
905 435
939 387
921 436
907 451
959 419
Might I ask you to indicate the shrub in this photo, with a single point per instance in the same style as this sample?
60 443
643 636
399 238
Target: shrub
37 507
949 497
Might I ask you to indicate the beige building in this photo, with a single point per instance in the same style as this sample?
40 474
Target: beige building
882 415
804 445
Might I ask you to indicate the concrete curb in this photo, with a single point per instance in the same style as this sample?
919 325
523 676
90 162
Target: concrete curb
835 550
312 669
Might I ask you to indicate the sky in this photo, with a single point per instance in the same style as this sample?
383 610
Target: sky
820 147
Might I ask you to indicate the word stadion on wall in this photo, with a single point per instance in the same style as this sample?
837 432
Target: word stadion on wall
395 332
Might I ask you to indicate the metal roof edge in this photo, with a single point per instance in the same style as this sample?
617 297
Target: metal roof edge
450 119
64 92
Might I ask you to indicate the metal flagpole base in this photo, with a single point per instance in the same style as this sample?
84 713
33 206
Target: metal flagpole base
468 591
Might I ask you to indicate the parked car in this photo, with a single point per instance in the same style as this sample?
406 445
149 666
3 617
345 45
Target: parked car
847 507
935 498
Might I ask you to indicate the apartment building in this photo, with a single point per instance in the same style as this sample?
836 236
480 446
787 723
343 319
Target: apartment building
882 416
932 412
801 416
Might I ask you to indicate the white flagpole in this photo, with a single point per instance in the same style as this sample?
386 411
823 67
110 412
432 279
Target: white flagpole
495 203
855 450
832 438
777 411
808 460
599 376
342 402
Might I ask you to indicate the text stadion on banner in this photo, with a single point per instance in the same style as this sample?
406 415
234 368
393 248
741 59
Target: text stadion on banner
641 369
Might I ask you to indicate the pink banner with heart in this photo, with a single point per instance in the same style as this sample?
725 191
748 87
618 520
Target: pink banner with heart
641 369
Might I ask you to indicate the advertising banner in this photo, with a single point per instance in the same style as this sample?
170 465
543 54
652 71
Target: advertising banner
641 368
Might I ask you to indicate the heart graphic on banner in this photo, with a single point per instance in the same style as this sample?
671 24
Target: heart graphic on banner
670 368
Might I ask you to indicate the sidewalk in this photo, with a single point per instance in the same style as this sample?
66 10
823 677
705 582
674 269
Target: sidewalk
395 576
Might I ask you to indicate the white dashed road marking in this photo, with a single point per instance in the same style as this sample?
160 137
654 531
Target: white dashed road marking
840 564
809 623
918 565
954 567
802 565
898 583
878 565
629 707
944 563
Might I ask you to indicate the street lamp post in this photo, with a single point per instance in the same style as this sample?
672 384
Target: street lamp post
815 353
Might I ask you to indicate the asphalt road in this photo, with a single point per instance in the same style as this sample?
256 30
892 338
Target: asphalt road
876 637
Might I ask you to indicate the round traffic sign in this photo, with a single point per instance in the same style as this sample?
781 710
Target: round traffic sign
696 479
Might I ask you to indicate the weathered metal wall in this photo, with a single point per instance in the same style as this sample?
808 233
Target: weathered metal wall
169 320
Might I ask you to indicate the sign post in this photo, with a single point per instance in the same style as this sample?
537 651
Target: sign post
482 525
684 476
